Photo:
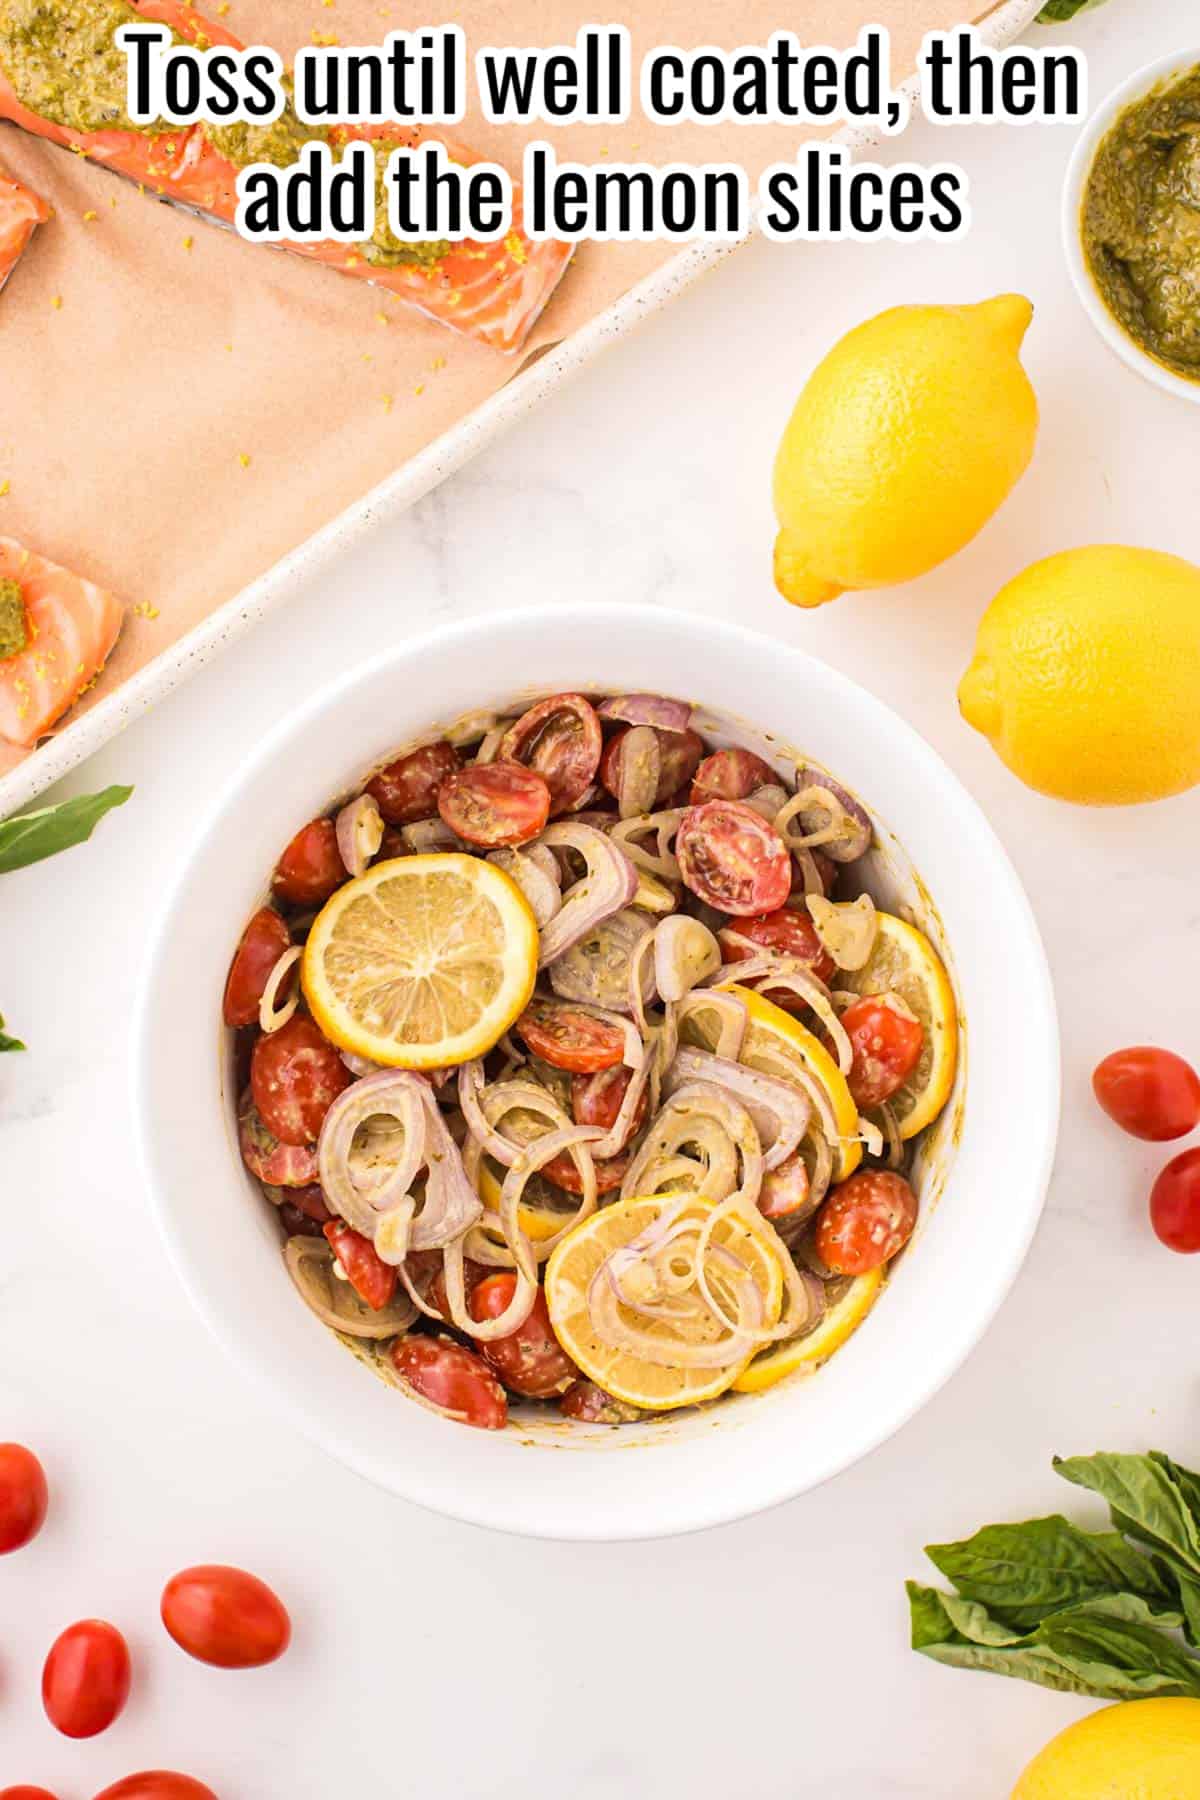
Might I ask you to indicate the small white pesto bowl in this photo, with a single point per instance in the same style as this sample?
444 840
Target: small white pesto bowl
1079 168
984 1171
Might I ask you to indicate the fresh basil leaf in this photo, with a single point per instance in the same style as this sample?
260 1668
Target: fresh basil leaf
1144 1501
1109 1649
6 1042
1185 1480
1057 12
1023 1572
33 836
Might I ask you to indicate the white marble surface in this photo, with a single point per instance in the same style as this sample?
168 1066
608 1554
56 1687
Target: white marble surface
768 1660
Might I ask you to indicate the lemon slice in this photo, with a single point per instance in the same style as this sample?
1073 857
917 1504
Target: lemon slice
904 962
839 1323
422 962
653 1386
776 1043
537 1221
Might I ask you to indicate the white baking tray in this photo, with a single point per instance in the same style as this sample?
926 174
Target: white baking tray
445 456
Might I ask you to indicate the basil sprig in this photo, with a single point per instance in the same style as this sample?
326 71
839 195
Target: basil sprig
33 836
1085 1612
1057 12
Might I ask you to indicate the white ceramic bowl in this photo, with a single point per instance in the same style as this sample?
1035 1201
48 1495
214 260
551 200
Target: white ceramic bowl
1097 127
982 1184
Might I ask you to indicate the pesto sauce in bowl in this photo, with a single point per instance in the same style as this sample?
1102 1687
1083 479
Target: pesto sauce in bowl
1141 222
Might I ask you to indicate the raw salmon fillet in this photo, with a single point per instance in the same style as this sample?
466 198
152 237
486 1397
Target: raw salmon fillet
494 292
72 626
21 212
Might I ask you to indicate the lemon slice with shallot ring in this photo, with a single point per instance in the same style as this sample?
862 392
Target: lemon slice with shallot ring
904 962
423 962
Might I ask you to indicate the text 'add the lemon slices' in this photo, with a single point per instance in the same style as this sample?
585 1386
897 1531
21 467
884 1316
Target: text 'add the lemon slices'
904 962
626 1305
422 962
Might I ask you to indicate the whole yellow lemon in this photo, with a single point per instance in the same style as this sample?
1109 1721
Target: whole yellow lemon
1140 1750
902 445
1086 676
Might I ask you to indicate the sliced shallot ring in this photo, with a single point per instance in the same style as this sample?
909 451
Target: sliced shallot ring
731 1013
703 1114
609 883
540 888
780 1109
310 1262
430 835
395 1094
790 972
639 762
685 953
847 929
271 1016
829 818
359 832
648 709
768 800
483 1107
661 861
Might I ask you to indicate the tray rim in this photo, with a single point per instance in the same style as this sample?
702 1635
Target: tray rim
444 457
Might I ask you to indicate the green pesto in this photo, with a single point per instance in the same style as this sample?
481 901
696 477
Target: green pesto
14 626
1141 222
383 250
279 142
60 57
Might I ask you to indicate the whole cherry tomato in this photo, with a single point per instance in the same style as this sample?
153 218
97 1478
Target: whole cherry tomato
157 1784
262 944
731 775
732 858
407 789
865 1222
373 1280
225 1616
562 740
85 1681
295 1077
570 1039
452 1379
530 1360
311 867
495 804
1175 1203
1152 1094
24 1497
789 932
886 1039
26 1793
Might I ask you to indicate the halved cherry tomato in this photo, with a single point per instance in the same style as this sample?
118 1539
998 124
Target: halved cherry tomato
495 803
610 1171
279 1165
85 1681
311 867
406 790
26 1793
298 1224
373 1280
786 1192
295 1077
473 1274
791 933
24 1497
865 1222
569 1039
310 1201
262 944
157 1784
886 1038
1152 1094
562 740
679 754
225 1616
530 1360
597 1099
731 775
1175 1203
453 1379
733 859
584 1400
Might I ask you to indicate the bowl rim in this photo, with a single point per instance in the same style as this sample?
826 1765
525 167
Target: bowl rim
1074 184
690 1510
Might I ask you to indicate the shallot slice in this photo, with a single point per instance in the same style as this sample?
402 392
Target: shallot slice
359 831
685 953
640 764
610 882
647 709
847 929
780 1110
539 886
271 1015
828 817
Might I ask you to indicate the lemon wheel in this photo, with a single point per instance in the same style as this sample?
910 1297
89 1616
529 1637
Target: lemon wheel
839 1323
654 1386
904 962
422 962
